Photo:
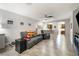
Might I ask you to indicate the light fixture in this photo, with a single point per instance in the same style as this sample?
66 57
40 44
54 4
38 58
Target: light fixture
48 16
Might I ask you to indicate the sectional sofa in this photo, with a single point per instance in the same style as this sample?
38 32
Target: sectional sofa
22 45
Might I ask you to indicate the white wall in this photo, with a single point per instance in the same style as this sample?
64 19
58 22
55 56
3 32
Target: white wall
68 33
13 31
71 27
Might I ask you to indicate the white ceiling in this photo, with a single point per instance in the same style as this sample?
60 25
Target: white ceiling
38 10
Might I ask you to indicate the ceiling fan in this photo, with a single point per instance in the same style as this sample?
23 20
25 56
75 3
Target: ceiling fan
48 16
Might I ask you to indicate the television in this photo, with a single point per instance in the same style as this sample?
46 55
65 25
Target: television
77 18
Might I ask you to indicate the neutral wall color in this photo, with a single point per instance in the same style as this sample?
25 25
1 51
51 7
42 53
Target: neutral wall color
67 33
13 31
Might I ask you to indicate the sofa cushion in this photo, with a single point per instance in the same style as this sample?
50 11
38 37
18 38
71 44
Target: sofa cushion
34 41
27 37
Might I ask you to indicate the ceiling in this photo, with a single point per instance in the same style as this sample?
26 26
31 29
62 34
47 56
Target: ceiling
38 10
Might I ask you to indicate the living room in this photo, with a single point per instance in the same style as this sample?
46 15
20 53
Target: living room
45 29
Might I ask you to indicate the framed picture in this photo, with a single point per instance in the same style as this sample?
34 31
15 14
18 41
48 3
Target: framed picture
22 23
62 26
54 26
9 22
49 26
29 24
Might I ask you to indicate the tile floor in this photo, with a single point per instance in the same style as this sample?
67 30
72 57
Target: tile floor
55 46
